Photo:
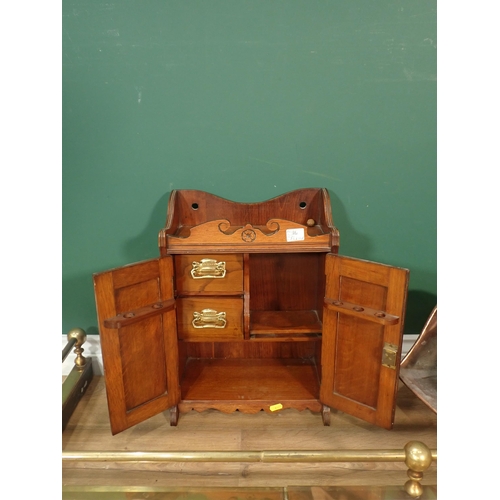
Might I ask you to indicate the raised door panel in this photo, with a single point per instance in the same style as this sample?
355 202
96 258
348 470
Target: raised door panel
362 336
137 325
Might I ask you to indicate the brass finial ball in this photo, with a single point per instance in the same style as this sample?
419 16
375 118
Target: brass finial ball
78 334
418 456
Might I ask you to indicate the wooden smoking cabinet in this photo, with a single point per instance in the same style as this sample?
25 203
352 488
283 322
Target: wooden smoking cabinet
249 307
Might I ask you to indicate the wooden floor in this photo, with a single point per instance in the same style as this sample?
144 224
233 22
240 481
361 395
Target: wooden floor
89 430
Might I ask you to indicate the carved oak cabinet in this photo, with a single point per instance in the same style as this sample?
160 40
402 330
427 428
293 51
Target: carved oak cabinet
249 307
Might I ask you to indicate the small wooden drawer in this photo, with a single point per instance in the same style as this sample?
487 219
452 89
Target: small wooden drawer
210 319
209 273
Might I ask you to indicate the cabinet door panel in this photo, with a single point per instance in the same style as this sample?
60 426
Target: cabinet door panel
362 336
140 359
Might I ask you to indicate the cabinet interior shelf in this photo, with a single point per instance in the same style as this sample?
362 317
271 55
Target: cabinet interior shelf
276 324
239 380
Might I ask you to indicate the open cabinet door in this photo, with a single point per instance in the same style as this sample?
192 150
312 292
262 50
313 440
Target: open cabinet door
137 325
363 320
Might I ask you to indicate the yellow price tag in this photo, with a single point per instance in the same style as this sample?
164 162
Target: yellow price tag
277 407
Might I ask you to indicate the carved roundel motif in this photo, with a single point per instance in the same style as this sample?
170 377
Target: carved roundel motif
248 235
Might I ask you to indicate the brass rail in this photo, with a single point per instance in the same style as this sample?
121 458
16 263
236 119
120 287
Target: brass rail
239 456
417 456
68 347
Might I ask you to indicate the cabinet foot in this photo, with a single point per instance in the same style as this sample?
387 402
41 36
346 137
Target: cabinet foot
174 415
325 413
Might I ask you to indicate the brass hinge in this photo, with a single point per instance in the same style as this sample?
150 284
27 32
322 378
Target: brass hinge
389 355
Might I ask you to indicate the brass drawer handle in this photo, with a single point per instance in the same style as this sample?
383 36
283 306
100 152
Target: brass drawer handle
209 318
208 268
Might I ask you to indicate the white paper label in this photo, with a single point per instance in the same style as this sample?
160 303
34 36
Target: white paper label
295 234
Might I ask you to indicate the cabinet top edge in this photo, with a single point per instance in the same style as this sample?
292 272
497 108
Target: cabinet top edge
195 192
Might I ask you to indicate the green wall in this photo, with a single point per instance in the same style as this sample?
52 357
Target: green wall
248 99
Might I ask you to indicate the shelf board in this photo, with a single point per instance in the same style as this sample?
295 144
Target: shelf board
277 323
247 380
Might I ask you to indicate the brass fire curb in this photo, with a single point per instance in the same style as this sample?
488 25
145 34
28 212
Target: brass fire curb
78 380
417 456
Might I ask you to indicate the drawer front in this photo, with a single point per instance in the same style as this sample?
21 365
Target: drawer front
209 273
210 319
